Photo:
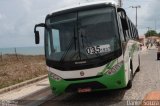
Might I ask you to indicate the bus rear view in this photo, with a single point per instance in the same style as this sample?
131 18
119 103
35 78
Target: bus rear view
83 49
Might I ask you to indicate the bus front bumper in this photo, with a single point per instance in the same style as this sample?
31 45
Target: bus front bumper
104 82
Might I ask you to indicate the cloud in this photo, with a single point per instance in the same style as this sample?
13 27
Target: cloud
1 16
18 17
147 14
21 16
27 5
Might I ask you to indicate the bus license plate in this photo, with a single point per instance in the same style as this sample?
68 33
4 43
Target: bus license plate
84 90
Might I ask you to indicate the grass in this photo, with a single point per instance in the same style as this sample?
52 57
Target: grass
14 69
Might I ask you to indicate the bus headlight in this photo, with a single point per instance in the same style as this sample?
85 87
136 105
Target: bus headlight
114 69
54 76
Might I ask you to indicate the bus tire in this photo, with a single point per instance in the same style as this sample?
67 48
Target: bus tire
139 62
129 85
158 55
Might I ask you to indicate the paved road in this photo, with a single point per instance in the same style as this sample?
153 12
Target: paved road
148 79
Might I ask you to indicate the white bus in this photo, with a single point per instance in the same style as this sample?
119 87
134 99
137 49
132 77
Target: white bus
90 47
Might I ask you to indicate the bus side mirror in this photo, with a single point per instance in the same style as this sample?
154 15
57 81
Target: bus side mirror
37 38
124 24
123 18
122 11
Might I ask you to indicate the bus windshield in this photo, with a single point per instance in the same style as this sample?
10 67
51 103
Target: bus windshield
82 35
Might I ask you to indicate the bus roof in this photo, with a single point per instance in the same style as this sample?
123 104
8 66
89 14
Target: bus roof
111 2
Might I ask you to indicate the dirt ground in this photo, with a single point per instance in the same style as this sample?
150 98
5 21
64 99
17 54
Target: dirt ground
15 69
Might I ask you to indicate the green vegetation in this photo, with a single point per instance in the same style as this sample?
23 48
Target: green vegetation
150 33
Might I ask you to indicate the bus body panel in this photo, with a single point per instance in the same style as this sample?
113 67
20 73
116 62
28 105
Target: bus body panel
76 73
113 75
131 55
118 80
104 82
135 57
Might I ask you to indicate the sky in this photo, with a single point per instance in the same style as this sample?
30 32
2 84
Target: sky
18 17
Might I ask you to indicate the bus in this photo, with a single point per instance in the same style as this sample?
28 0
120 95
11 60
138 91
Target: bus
90 47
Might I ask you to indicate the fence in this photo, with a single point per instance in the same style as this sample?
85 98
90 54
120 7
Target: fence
20 51
1 57
13 54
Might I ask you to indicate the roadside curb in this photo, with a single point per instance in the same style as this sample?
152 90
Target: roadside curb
7 89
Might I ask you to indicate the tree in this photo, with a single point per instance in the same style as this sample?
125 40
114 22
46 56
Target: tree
151 33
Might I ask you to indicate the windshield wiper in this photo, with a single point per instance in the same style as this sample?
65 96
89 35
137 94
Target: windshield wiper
75 38
82 40
69 47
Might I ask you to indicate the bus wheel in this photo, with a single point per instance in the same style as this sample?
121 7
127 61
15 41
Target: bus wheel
129 85
158 55
138 68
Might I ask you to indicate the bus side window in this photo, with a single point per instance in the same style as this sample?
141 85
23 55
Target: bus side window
130 30
127 31
122 36
137 37
125 34
132 34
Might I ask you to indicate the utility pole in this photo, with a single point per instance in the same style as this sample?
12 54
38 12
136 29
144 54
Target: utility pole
136 7
155 23
149 30
120 3
148 40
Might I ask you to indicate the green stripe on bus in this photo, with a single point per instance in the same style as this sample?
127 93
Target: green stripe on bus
108 66
111 64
